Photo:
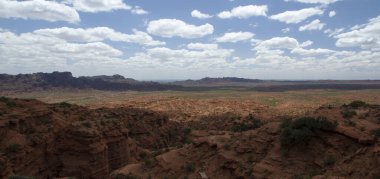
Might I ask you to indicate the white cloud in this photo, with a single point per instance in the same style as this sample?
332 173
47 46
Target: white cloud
314 25
332 13
367 37
314 1
312 52
278 43
200 15
139 11
202 46
286 30
98 34
333 32
306 43
99 5
173 27
243 12
235 37
294 17
38 10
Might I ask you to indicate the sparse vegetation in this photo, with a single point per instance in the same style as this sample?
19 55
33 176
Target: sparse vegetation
249 124
347 114
376 132
13 148
65 105
227 147
299 131
87 124
357 104
350 122
148 162
9 102
329 160
189 167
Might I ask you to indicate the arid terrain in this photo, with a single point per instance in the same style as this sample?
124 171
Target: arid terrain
192 105
169 134
219 132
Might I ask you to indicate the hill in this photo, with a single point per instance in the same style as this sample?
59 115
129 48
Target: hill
43 81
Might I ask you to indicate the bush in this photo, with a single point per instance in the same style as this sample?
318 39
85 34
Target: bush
357 104
65 105
189 167
329 160
376 132
9 102
299 131
348 113
252 123
86 124
227 147
148 162
13 148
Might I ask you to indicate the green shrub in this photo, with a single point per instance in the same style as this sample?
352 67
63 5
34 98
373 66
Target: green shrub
346 113
252 123
65 105
329 160
299 131
227 146
189 167
86 124
13 148
186 131
148 162
9 102
376 132
350 122
357 104
143 154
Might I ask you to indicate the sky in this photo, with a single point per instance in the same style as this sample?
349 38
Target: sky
192 39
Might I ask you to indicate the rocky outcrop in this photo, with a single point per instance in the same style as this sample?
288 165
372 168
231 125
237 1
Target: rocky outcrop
64 140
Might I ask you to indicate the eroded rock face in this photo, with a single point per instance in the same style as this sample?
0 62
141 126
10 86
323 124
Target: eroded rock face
64 140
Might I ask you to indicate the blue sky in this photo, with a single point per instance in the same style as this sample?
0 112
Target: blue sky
181 39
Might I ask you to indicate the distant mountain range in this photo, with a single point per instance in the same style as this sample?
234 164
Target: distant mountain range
65 80
35 81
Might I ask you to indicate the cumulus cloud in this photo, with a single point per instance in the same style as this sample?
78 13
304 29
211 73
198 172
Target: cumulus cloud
98 34
278 43
332 13
200 15
367 36
99 5
173 27
314 25
202 46
234 37
311 52
314 1
38 10
306 43
30 51
139 11
294 17
243 12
